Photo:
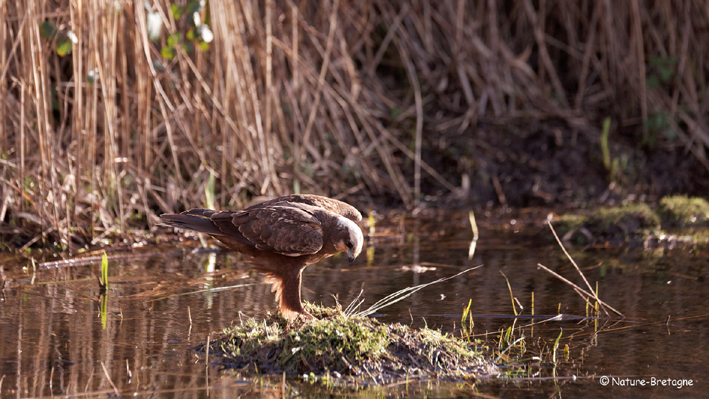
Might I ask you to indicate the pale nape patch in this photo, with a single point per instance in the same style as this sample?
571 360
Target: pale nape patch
355 233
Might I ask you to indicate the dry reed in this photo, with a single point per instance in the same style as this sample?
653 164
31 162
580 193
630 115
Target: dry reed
331 97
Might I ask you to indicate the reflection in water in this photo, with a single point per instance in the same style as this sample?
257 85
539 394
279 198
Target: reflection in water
52 338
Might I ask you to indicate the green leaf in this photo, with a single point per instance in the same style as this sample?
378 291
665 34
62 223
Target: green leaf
168 52
104 311
173 39
48 31
190 34
104 269
204 46
177 11
64 46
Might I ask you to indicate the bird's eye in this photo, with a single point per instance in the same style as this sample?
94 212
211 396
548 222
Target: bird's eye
349 244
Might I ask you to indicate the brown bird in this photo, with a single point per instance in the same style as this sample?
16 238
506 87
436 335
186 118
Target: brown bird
282 236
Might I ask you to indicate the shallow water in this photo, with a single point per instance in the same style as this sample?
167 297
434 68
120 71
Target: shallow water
54 340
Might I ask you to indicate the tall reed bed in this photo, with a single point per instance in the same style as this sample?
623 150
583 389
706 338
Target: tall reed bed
106 122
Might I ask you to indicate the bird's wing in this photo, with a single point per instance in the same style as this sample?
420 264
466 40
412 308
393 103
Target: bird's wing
329 204
283 229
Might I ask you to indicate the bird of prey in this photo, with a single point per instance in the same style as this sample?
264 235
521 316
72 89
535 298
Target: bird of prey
282 236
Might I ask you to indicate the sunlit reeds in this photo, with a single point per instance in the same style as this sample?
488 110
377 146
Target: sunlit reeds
329 97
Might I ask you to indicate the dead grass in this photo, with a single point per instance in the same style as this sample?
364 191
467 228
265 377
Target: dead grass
330 97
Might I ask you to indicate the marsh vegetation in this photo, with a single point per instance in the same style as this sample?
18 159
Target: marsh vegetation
113 113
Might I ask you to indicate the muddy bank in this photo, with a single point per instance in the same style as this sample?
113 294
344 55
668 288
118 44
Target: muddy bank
526 162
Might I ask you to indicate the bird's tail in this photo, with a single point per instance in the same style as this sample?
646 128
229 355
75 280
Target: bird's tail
198 220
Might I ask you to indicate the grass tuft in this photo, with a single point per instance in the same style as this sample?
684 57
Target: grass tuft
624 221
354 346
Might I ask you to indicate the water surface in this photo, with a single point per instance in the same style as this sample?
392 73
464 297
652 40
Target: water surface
55 340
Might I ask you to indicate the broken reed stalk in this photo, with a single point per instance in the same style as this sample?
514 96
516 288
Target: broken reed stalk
108 377
405 293
512 297
476 234
311 96
583 293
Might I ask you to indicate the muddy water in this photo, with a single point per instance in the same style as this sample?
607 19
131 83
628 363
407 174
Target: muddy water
58 338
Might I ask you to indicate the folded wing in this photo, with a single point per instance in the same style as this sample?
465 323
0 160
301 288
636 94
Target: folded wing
281 228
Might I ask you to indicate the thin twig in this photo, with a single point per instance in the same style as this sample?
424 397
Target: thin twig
592 293
405 293
109 379
584 292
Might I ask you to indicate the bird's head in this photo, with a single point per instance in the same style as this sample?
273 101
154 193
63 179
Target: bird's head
351 237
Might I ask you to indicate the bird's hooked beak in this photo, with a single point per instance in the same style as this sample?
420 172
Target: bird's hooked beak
353 253
354 239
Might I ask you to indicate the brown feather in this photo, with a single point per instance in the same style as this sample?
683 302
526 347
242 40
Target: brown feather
332 205
196 220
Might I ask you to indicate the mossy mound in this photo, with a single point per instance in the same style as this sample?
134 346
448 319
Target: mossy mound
636 222
633 221
340 345
626 223
682 211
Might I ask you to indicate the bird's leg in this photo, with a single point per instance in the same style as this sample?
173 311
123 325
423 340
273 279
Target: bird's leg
287 288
